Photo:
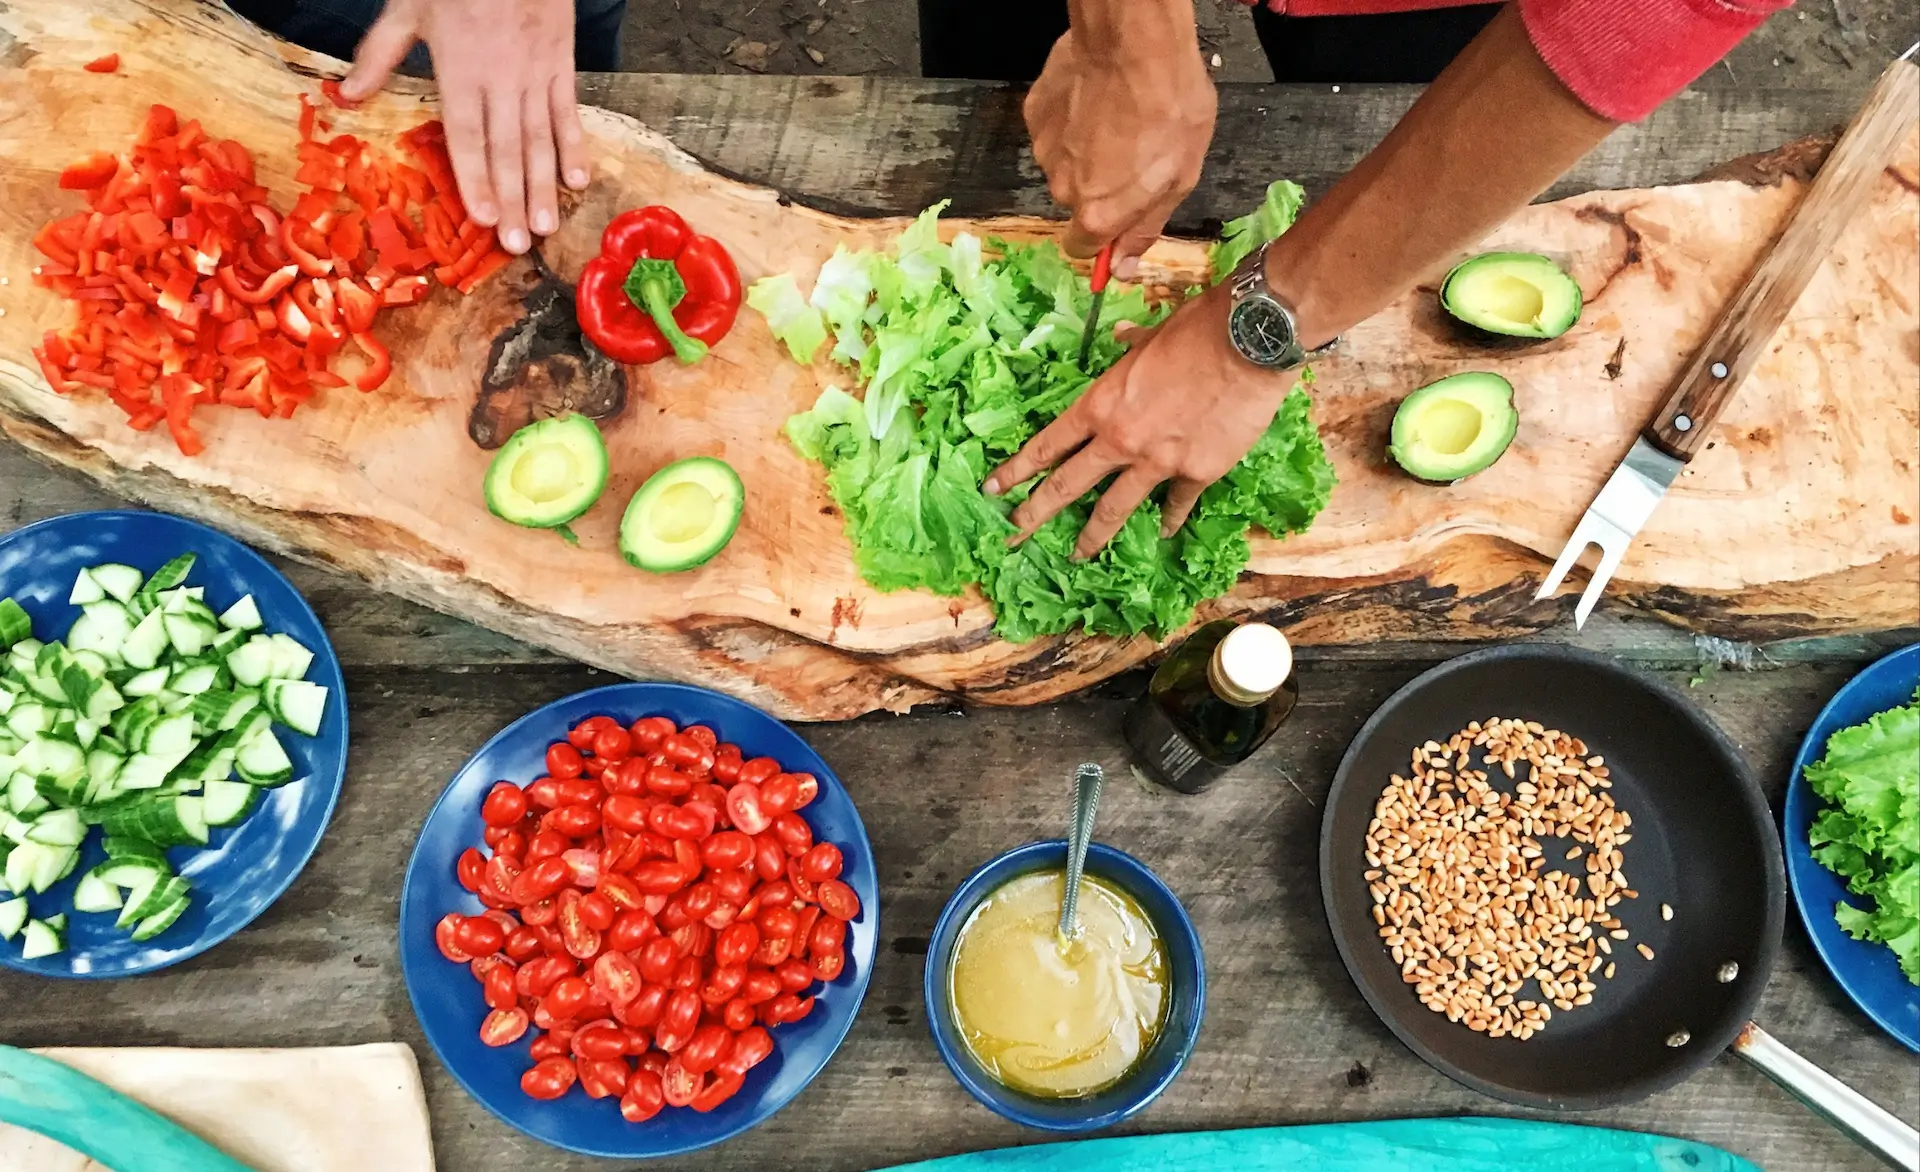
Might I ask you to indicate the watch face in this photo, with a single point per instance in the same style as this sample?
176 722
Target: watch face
1261 331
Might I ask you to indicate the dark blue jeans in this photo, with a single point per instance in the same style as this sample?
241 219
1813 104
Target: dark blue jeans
334 27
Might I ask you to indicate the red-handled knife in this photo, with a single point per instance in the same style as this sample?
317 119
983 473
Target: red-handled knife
1102 269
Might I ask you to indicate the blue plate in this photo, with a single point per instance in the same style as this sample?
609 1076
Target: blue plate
447 999
246 867
1866 970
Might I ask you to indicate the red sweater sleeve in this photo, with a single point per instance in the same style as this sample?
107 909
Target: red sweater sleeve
1622 58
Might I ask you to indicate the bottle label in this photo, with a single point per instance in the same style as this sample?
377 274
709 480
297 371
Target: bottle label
1166 752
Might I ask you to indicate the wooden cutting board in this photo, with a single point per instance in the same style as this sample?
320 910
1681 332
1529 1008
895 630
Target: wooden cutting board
1800 519
328 1109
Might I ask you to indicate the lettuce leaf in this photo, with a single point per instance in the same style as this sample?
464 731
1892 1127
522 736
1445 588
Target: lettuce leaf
798 325
966 350
1869 833
1238 238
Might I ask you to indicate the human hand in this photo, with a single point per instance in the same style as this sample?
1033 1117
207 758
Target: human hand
505 69
1120 120
1182 406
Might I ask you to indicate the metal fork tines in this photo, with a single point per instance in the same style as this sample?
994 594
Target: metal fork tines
1611 521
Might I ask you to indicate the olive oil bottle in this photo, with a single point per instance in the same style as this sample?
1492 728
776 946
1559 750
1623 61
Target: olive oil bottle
1213 702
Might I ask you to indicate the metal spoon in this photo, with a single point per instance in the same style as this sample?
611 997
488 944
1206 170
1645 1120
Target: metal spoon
1086 800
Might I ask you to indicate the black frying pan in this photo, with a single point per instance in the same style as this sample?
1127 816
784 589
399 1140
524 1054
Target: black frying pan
1703 842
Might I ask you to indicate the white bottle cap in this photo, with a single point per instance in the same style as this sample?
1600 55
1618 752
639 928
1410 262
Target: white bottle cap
1254 660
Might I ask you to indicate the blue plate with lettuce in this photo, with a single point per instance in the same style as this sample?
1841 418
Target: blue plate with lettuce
1853 840
966 349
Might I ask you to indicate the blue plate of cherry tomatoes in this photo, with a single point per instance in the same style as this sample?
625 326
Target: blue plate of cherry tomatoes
654 934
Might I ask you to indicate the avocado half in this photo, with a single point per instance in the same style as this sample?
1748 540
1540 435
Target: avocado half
1512 295
548 472
683 515
1449 430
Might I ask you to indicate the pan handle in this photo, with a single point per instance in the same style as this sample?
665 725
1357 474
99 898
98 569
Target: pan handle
1866 1122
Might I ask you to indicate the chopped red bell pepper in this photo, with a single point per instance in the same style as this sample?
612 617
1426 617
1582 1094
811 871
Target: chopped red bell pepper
657 288
93 171
108 64
379 362
331 89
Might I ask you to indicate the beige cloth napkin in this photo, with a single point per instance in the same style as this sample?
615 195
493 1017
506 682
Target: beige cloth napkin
331 1109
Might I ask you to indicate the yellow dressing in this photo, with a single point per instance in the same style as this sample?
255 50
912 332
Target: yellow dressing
1052 1019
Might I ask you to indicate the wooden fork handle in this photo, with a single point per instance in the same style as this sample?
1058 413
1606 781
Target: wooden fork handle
1746 326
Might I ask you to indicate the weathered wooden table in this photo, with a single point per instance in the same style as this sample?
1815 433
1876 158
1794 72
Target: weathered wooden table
1287 1039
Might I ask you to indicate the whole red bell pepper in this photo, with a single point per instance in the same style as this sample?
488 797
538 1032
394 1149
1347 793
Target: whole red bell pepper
657 288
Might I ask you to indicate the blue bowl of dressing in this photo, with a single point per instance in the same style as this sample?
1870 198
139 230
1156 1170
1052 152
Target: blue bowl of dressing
1186 991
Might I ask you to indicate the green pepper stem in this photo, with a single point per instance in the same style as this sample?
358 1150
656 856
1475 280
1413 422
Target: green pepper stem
657 298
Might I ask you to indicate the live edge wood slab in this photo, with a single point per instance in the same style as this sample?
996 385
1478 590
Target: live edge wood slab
1799 520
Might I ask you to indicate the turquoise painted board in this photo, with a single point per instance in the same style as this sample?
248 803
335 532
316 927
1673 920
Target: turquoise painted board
1398 1145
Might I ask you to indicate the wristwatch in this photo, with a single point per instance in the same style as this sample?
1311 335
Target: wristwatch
1260 324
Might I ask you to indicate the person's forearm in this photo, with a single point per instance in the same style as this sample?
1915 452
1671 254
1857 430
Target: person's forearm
1491 133
1136 31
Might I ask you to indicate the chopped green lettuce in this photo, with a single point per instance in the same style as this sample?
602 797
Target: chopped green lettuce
1238 238
966 350
1869 833
799 326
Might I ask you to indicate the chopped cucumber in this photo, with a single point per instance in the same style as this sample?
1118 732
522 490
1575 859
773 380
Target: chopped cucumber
15 626
290 659
153 718
146 683
85 589
161 920
264 761
242 616
94 894
297 704
189 634
58 828
146 643
43 939
227 802
122 582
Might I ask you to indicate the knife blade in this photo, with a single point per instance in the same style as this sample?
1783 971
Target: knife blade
1102 269
1740 336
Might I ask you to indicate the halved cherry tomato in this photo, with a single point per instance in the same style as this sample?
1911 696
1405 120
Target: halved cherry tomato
667 781
478 936
769 857
471 869
680 1086
599 1042
659 877
446 936
604 1078
723 984
839 901
506 804
563 760
644 1097
738 1014
549 1078
581 939
709 1044
504 1026
794 975
758 769
736 944
760 986
726 764
827 966
625 812
649 731
541 880
631 930
657 959
644 1011
796 837
597 911
546 844
750 1049
575 821
523 944
821 863
806 788
566 999
580 736
617 978
778 793
612 743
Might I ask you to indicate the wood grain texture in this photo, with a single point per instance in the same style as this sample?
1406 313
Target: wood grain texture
1287 1038
1740 337
1799 523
